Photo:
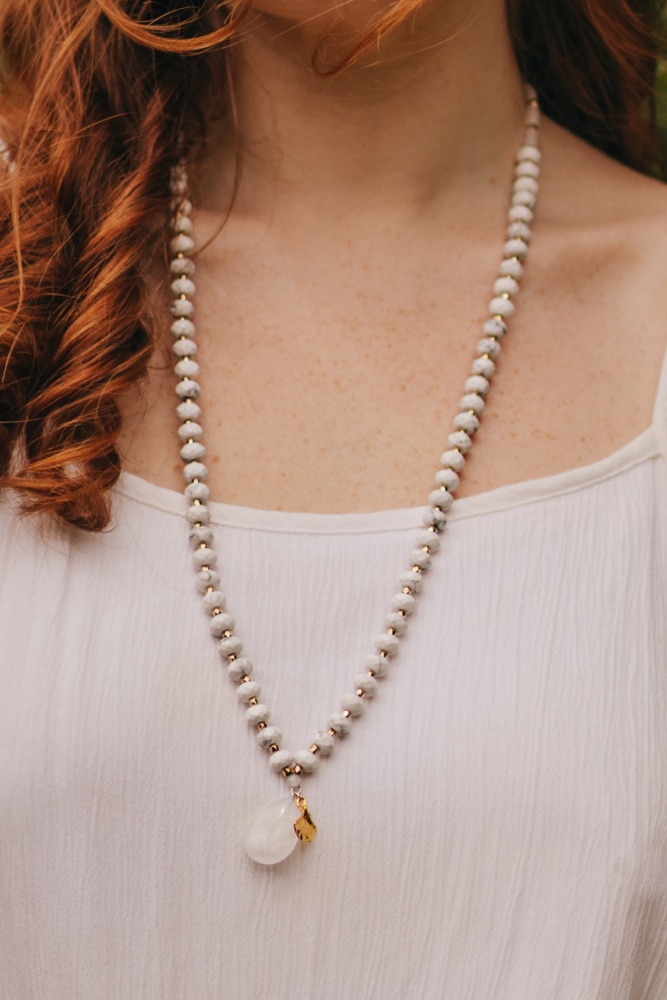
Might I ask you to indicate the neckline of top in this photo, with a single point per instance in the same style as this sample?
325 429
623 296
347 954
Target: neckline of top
641 448
651 443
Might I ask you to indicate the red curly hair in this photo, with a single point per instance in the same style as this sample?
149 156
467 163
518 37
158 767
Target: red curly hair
96 96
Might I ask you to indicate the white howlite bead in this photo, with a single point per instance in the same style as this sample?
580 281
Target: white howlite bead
182 224
293 780
447 478
519 231
183 286
453 459
198 512
182 308
527 169
204 557
403 602
526 184
421 559
367 683
248 690
178 184
506 284
340 723
269 735
182 327
182 244
184 348
472 402
485 345
529 153
433 517
186 368
188 389
280 760
467 422
256 713
221 623
238 668
429 538
188 410
184 206
398 622
410 578
352 703
306 760
533 116
495 328
512 267
484 367
190 429
216 599
197 491
206 578
440 498
460 440
525 198
516 248
193 451
324 741
200 533
378 664
521 213
501 307
386 643
182 265
195 470
231 645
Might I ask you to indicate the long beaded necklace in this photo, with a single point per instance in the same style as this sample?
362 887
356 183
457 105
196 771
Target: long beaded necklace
276 828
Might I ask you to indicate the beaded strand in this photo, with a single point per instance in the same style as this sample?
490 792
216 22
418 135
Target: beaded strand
293 766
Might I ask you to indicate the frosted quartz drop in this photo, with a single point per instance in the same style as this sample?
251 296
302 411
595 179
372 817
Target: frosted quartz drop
270 836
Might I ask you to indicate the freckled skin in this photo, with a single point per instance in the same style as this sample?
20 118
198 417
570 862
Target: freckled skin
334 353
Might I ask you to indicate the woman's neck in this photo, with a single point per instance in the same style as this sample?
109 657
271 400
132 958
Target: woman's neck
426 120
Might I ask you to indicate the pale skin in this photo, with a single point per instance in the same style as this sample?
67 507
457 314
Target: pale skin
339 306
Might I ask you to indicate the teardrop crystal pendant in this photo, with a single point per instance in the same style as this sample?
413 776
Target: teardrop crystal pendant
270 836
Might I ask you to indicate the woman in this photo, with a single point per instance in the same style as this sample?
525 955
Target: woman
495 827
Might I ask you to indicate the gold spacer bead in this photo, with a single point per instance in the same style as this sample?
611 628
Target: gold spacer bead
296 769
204 568
313 748
253 701
216 611
244 679
415 569
231 657
331 732
406 590
347 713
261 725
273 748
391 631
360 693
209 590
227 634
202 545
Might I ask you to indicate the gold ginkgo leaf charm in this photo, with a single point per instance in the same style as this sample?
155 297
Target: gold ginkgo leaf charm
304 827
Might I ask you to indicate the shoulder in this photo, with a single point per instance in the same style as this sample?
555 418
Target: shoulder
603 232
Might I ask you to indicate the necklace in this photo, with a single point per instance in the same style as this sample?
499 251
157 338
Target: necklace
276 828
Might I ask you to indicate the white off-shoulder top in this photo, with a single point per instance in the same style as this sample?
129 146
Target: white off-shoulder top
494 827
